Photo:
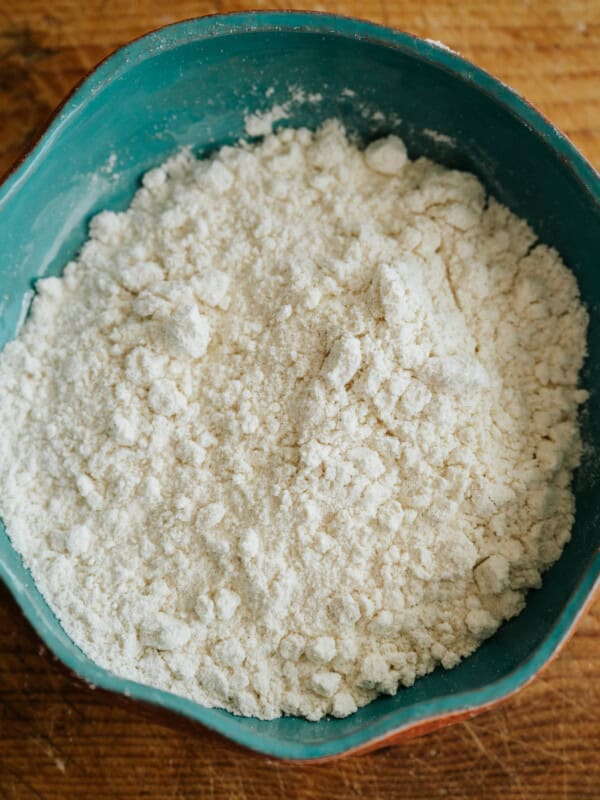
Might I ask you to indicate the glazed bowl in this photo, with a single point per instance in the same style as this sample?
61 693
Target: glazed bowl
194 84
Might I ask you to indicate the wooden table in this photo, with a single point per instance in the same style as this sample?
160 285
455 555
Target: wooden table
60 740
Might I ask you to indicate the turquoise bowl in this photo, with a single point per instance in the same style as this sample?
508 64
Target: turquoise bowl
192 84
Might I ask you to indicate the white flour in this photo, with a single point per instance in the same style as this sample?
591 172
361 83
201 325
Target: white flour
297 427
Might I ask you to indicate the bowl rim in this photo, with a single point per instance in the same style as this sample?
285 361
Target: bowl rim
426 714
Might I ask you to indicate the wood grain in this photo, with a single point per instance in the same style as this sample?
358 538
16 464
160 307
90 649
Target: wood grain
59 739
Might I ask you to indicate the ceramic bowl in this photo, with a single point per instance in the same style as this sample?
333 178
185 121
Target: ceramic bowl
193 84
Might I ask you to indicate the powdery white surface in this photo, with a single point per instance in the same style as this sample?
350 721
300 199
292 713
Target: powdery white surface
440 138
261 123
296 427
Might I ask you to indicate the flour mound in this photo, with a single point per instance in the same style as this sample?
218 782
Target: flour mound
295 428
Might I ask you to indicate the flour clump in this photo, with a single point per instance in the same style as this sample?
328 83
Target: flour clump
295 428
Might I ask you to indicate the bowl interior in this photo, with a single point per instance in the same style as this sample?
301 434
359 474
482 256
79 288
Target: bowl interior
193 84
